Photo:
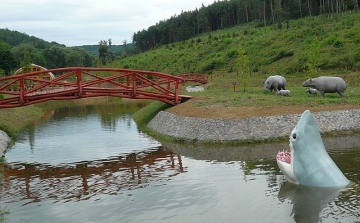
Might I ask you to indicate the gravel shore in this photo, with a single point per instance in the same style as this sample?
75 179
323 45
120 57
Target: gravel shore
253 128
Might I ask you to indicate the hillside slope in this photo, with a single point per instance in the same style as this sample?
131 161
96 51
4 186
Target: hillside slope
327 44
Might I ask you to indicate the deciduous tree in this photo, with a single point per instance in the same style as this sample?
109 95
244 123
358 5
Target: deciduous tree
243 68
103 51
26 62
7 62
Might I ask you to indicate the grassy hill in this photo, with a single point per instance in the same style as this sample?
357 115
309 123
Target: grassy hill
310 45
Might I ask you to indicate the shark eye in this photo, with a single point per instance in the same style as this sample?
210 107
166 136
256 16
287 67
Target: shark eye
294 136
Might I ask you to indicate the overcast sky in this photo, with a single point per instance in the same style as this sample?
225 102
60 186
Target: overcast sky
86 22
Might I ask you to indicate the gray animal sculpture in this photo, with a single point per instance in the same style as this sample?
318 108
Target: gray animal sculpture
327 84
275 83
311 90
284 93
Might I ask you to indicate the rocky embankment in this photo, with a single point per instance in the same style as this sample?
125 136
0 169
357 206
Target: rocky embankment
254 128
4 141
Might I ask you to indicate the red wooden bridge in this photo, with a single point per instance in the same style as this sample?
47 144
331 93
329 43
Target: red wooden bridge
82 82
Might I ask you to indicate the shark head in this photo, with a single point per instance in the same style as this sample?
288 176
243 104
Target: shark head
308 163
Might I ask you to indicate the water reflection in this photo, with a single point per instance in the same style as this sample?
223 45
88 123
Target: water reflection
109 114
314 204
30 183
308 202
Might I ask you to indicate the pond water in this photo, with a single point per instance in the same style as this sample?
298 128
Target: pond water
92 164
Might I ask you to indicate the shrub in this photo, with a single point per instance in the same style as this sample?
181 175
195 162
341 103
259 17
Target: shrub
338 43
357 56
232 54
300 66
282 54
212 65
227 41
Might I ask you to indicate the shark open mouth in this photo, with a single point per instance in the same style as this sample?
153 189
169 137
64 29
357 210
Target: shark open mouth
284 156
283 159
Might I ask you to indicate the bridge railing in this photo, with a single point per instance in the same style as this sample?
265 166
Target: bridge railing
199 78
82 82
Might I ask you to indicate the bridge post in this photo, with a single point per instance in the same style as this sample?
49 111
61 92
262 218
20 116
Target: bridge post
134 84
79 81
168 86
22 91
177 101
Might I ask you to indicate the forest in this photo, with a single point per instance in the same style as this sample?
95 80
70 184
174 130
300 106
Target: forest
16 46
17 49
230 13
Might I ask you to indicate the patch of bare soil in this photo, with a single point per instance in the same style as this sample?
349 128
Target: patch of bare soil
188 109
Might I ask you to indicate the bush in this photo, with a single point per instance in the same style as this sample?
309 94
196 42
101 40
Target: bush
300 66
282 54
213 65
357 56
338 43
232 54
227 41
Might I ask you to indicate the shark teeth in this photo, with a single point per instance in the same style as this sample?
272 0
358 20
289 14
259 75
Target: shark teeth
284 156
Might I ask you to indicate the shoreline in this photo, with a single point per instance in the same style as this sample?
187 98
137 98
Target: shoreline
4 142
220 130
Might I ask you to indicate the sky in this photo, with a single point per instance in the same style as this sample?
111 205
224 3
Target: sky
86 22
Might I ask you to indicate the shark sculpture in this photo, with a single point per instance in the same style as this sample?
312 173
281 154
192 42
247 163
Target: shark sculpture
308 163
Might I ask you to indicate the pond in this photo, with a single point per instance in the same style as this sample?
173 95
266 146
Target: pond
93 164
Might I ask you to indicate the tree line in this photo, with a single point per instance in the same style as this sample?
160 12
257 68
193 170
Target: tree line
16 47
230 13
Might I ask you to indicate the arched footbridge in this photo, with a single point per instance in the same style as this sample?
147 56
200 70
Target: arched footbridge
82 82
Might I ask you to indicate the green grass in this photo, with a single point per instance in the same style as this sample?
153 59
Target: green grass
329 44
221 91
144 115
13 120
311 47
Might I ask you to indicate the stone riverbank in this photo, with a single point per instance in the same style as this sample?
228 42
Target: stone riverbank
254 128
4 141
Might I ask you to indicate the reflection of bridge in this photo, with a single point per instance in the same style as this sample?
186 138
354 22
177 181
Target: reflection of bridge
80 181
82 82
